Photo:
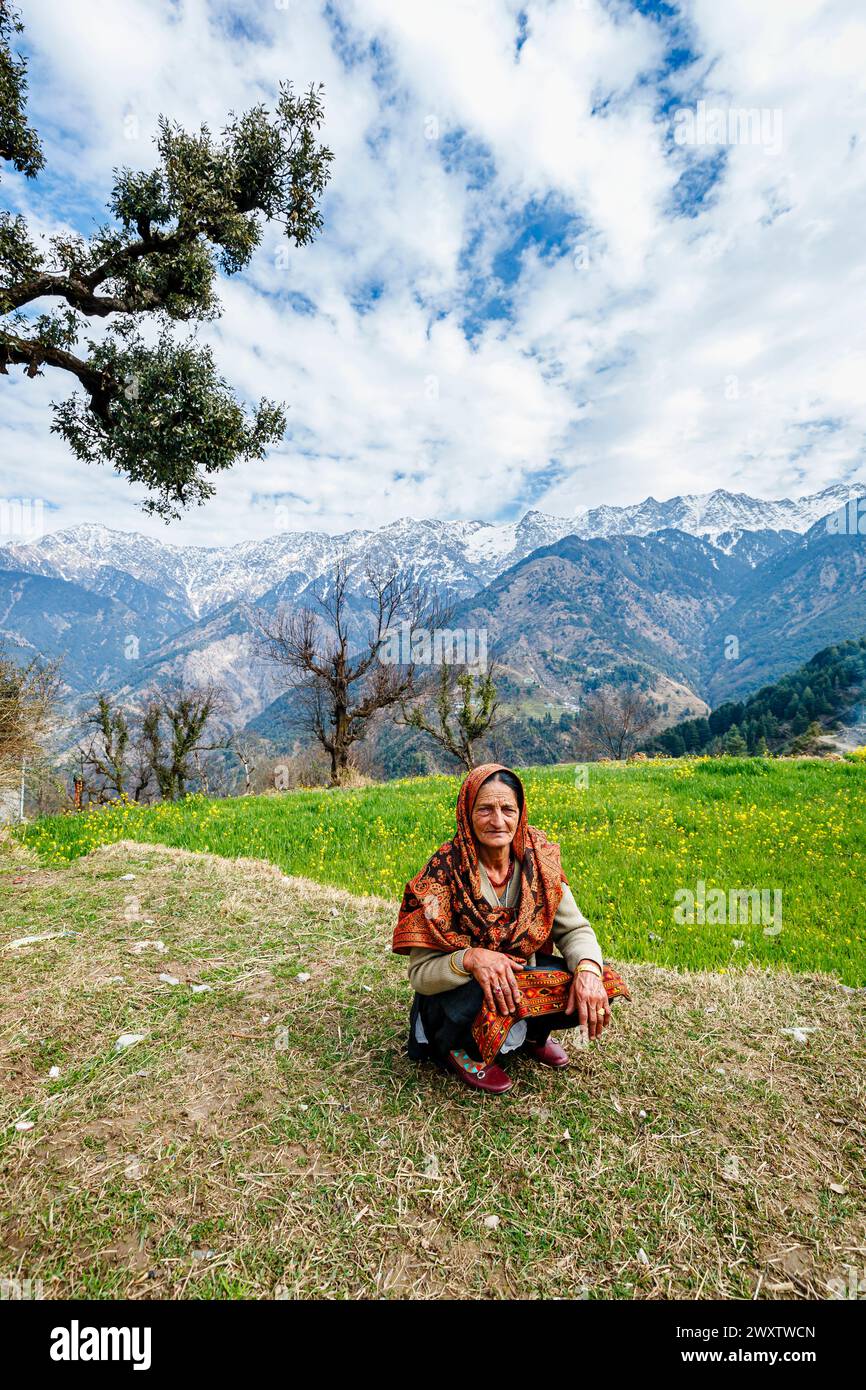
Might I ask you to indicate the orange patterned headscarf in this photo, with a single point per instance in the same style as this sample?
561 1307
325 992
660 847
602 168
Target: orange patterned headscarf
444 908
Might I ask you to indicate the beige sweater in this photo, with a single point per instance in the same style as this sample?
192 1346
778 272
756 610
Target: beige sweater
432 972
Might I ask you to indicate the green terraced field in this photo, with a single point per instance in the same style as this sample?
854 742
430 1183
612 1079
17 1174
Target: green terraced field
630 840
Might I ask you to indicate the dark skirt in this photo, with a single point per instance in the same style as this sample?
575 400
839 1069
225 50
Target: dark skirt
447 1019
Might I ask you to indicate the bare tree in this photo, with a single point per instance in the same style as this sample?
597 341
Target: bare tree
47 787
173 733
455 708
141 784
157 752
28 697
613 721
105 753
249 751
342 684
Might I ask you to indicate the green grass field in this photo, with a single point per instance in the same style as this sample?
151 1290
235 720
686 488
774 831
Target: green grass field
268 1137
630 840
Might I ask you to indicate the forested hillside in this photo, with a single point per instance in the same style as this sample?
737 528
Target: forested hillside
821 692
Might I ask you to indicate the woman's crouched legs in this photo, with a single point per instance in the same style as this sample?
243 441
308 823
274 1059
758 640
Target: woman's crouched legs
538 1030
441 1023
445 1020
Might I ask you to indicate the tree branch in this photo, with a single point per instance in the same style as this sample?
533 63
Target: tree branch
33 355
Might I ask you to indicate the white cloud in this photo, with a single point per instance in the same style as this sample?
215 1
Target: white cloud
658 354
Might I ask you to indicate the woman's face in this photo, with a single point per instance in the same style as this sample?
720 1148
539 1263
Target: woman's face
495 815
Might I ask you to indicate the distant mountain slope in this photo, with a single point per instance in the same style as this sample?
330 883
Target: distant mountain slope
220 649
575 613
98 636
752 547
805 597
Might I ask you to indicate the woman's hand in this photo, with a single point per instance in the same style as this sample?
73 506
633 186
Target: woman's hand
589 997
494 971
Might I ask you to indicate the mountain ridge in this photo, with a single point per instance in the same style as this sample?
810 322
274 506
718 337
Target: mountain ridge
569 606
458 556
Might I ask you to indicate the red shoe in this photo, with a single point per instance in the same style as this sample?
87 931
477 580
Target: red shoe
491 1078
549 1054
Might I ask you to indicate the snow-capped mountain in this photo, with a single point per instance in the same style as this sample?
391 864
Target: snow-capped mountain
457 557
454 556
570 597
712 514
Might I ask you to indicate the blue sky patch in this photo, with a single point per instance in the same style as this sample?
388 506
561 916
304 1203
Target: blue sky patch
693 191
522 32
367 295
546 224
461 153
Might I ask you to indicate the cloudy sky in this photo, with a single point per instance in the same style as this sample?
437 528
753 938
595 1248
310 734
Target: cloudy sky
561 263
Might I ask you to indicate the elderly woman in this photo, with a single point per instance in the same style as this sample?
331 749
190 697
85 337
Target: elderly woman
479 924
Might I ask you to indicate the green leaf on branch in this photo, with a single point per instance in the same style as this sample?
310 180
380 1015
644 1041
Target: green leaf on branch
164 418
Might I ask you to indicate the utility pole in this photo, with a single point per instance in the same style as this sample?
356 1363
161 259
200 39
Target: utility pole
21 797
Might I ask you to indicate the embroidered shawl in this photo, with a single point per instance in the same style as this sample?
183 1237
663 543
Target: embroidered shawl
444 908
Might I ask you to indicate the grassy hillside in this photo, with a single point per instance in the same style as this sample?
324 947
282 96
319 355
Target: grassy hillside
629 841
269 1138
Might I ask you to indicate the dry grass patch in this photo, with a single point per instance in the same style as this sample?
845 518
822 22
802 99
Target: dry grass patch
268 1137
